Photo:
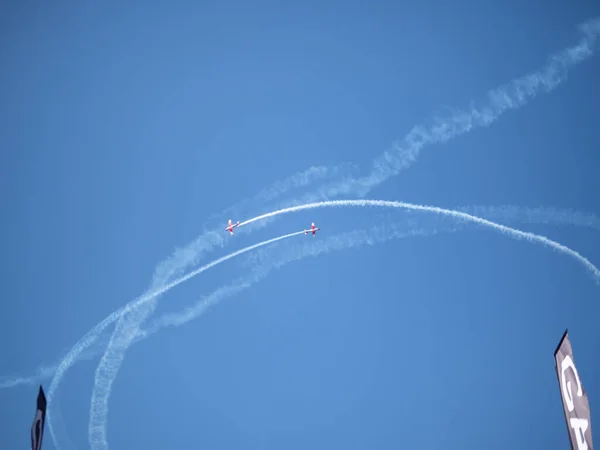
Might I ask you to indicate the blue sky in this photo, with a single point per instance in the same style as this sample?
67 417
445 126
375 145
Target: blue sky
126 127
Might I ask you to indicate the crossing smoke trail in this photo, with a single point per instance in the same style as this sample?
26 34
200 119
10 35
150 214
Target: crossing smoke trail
504 213
89 338
189 255
99 407
514 95
47 371
264 264
511 96
93 334
181 259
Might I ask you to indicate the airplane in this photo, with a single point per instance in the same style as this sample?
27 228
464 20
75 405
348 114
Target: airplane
231 226
312 229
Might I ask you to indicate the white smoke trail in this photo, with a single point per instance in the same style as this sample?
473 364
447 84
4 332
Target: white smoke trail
126 329
190 254
99 408
518 214
181 259
513 232
264 263
513 95
504 213
92 335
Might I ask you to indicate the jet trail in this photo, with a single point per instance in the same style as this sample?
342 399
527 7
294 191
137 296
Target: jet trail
313 248
103 381
504 213
93 334
182 258
190 255
513 95
513 232
535 215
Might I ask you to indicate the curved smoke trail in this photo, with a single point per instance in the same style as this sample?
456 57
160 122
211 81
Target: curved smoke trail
190 254
129 309
106 372
175 265
513 232
511 96
264 263
404 153
503 213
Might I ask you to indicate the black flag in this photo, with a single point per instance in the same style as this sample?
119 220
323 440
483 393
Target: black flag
574 398
37 429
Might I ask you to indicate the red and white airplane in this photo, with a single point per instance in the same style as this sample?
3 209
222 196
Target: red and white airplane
312 229
231 226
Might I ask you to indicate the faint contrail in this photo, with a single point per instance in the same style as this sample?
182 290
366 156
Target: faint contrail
535 215
106 372
42 372
513 95
47 371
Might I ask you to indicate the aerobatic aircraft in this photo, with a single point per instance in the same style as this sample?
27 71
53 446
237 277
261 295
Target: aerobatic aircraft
312 229
231 226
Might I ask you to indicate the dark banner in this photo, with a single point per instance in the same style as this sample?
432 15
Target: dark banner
574 399
37 429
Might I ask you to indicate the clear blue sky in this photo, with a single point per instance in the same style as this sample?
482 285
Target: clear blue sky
124 127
